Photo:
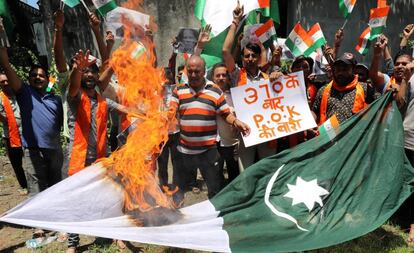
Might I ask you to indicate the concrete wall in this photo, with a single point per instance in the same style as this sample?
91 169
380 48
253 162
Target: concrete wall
327 14
170 15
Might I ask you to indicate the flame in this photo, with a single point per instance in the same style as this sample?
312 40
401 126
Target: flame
133 165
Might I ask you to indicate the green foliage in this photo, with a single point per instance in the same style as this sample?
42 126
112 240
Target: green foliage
285 65
21 59
411 43
111 248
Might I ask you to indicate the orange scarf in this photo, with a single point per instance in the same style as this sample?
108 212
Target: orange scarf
14 135
82 129
243 77
359 102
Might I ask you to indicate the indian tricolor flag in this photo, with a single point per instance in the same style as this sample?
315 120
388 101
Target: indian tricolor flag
364 41
218 13
316 34
299 41
267 32
319 194
346 7
329 127
378 20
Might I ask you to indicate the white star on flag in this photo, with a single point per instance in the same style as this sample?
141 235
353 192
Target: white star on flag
307 192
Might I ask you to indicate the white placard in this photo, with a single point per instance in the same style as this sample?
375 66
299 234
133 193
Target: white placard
273 110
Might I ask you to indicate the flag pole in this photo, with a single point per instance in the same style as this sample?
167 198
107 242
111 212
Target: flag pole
343 26
61 6
86 7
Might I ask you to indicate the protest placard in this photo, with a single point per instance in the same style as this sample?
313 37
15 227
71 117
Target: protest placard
273 110
187 39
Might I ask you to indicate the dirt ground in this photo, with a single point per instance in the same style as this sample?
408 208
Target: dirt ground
13 237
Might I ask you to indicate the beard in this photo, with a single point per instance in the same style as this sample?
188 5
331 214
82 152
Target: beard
343 80
88 84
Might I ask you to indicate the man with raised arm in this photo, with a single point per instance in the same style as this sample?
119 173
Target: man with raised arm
240 76
42 115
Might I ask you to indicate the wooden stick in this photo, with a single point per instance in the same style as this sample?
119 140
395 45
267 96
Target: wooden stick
343 26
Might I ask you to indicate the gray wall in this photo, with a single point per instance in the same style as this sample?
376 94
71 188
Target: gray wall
327 14
170 15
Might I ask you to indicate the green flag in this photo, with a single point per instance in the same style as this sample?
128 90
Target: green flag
212 51
71 3
324 191
7 19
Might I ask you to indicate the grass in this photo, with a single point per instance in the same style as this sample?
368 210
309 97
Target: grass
386 239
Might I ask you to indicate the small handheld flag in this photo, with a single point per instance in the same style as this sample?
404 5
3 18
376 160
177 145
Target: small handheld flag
266 32
52 81
364 41
378 20
298 40
316 34
346 7
71 3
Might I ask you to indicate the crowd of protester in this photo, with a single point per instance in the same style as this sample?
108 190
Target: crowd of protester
204 132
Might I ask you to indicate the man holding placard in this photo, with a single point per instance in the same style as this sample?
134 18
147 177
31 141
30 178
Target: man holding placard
241 76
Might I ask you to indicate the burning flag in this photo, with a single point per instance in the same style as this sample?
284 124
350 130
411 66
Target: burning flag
323 192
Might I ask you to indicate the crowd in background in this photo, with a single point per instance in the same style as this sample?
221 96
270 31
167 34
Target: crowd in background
204 131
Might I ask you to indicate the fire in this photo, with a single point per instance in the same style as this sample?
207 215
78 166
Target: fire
133 165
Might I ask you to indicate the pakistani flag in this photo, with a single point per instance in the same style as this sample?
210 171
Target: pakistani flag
71 3
219 14
323 192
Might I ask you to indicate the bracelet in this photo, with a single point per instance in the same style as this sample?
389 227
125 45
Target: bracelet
235 23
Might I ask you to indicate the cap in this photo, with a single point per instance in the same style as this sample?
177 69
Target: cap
347 58
362 66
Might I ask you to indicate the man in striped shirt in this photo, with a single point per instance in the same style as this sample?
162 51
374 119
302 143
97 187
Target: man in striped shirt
198 103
